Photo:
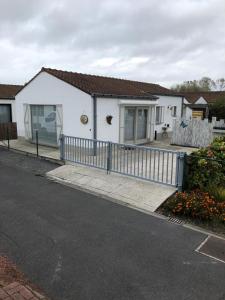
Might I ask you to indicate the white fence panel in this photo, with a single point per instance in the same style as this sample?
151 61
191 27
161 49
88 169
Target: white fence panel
193 133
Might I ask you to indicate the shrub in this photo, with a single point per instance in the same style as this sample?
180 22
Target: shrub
196 204
206 166
218 193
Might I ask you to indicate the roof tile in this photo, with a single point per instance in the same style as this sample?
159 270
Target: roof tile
8 91
93 84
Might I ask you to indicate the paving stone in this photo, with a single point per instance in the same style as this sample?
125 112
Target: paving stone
26 293
3 294
11 286
17 296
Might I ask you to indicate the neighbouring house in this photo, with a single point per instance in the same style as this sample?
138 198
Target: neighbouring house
95 107
196 104
7 102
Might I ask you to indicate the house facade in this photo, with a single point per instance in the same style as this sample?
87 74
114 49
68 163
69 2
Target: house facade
7 102
196 104
57 102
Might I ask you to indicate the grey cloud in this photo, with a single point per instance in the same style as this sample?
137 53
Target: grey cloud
160 41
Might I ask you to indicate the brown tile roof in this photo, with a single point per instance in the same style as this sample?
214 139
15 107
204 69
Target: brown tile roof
210 97
93 84
8 91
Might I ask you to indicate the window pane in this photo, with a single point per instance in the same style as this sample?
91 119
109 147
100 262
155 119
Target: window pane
5 113
44 120
158 114
142 123
129 124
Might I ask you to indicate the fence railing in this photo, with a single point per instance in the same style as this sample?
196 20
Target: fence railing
8 131
153 164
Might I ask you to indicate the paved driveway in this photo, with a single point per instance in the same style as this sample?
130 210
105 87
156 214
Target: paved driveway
78 246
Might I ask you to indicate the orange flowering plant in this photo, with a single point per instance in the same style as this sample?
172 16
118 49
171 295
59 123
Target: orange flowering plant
196 204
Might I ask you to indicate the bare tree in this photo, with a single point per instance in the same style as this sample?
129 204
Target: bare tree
205 84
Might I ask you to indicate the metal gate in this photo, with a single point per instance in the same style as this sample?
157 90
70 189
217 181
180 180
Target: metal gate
153 164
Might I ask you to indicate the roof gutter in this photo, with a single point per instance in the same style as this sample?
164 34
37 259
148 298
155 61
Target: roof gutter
7 98
100 95
170 95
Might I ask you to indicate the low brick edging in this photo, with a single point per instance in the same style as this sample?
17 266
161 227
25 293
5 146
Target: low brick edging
18 291
14 285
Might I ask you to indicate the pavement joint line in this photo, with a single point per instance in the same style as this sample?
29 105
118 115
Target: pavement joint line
198 250
202 243
204 231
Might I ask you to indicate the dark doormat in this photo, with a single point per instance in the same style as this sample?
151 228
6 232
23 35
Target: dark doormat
213 247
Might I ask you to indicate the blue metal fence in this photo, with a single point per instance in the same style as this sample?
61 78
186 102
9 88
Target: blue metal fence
153 164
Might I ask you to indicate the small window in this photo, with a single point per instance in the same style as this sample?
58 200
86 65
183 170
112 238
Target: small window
159 114
174 111
5 113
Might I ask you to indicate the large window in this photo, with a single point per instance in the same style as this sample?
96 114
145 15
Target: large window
43 120
159 118
5 113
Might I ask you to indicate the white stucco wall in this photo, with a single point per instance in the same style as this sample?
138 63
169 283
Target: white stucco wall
167 102
45 89
187 111
48 90
201 100
115 107
105 107
13 107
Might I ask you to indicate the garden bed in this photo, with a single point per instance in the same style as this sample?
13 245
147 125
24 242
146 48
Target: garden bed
203 200
211 225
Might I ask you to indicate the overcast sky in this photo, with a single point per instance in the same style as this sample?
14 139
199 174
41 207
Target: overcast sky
161 41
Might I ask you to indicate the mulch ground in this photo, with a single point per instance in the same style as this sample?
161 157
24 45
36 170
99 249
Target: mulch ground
14 285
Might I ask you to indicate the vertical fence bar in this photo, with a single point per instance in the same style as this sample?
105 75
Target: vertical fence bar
7 128
37 146
62 147
109 157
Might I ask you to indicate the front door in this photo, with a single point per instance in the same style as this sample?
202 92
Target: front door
135 127
43 120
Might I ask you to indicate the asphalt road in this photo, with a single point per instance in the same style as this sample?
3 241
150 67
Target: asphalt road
77 246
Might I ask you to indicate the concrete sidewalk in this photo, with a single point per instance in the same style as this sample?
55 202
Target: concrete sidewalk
25 146
139 194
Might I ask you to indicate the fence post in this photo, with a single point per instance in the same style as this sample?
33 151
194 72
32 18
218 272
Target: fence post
109 157
8 136
62 147
37 146
180 170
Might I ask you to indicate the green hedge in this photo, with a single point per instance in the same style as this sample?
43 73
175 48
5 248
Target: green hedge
206 167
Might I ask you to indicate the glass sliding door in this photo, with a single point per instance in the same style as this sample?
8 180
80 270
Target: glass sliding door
142 116
135 125
5 113
43 119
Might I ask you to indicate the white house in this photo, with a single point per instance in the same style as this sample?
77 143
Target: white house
7 102
196 104
95 107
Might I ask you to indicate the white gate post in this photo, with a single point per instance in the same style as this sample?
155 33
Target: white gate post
180 170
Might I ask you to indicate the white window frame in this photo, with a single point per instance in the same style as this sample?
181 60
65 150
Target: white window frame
174 111
160 120
135 140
